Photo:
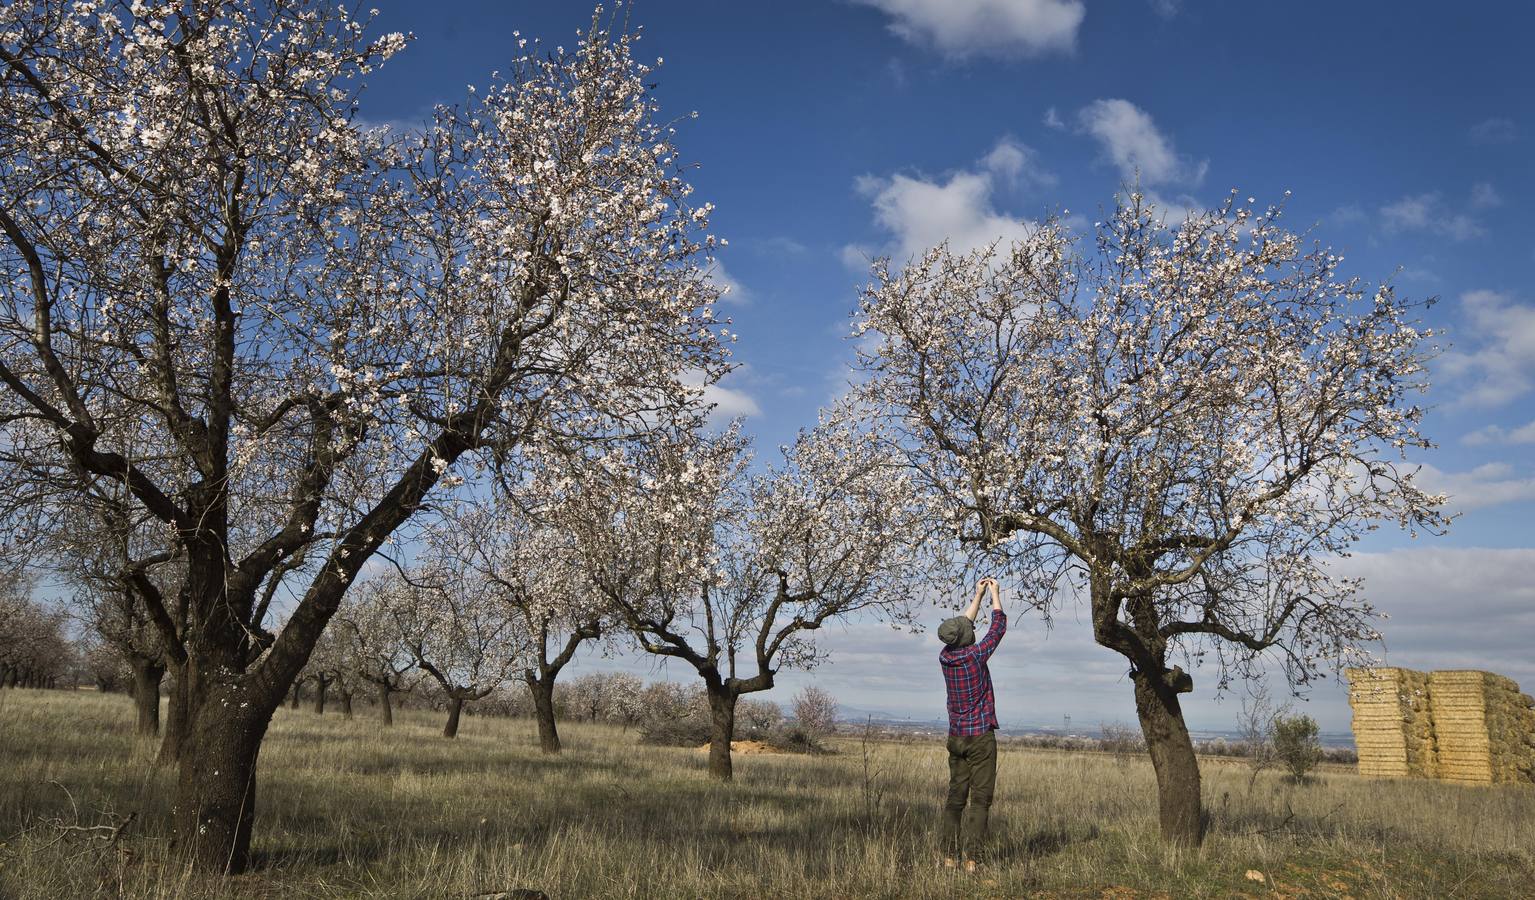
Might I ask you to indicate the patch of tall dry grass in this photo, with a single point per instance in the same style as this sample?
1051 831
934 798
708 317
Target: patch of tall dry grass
351 809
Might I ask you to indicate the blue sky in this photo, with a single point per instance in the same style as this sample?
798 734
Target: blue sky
832 131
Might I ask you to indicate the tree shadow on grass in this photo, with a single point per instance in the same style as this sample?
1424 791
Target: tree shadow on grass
1041 842
688 812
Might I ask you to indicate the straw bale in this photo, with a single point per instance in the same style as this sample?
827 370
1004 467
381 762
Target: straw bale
1461 725
1392 731
1483 727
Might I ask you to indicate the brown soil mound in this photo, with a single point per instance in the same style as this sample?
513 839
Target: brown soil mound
745 748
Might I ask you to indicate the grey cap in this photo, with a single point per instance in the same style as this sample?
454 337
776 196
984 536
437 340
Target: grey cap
957 632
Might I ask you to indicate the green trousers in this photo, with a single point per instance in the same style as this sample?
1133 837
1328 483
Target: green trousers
972 779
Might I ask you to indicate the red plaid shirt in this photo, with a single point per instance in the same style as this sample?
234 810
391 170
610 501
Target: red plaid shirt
972 706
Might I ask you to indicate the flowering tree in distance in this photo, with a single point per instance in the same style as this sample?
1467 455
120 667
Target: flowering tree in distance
280 332
372 648
534 574
815 710
93 548
33 648
459 632
1187 423
729 572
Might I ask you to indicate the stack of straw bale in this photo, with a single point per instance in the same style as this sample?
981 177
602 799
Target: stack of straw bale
1484 727
1393 722
1463 726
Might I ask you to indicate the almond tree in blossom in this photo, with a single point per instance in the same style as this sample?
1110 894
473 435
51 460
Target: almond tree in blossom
33 648
370 645
89 534
1181 423
533 573
732 572
281 332
458 632
101 555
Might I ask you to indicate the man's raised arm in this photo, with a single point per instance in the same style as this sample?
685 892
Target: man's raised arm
974 609
998 626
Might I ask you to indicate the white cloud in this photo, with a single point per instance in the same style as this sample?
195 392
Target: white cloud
1408 212
1485 196
1006 159
998 28
1347 214
1490 484
1495 362
780 245
728 403
1496 130
393 129
734 292
1428 212
1132 141
1454 608
1419 274
1167 9
1497 434
857 257
1016 163
921 213
1053 120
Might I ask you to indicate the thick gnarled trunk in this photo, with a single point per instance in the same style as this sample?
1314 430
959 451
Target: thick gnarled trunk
1172 756
147 676
216 785
542 691
722 713
455 707
1140 641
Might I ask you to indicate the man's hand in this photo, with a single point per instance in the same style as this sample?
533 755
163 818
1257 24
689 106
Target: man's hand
996 594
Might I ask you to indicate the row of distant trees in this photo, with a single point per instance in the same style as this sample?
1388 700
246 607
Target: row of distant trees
35 649
259 362
670 710
375 649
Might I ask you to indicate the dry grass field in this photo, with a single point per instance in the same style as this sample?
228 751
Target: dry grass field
350 809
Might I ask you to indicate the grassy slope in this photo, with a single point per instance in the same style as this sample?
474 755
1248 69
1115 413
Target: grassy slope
352 809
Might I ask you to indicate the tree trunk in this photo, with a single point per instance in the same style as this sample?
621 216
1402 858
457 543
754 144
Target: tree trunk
320 684
542 691
298 694
1172 756
385 705
722 706
176 723
216 788
346 703
455 706
146 695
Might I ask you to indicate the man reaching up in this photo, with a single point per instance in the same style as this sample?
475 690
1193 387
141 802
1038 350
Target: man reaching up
972 727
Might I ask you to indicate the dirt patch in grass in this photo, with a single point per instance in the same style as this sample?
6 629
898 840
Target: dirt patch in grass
746 748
